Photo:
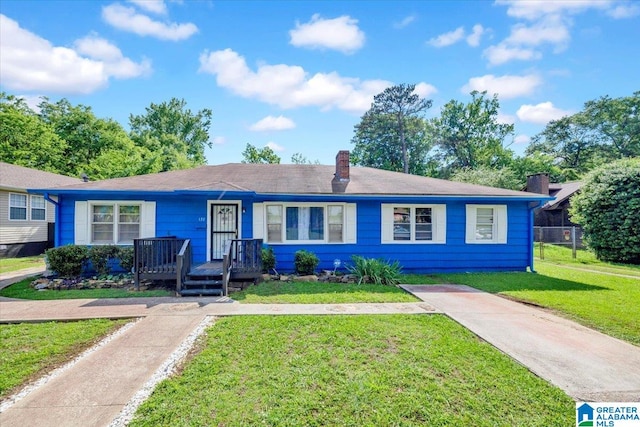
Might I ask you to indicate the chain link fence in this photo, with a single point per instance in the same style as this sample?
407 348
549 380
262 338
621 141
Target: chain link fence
568 236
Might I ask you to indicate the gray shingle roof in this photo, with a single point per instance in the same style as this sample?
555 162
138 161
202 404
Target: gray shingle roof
562 192
293 179
18 177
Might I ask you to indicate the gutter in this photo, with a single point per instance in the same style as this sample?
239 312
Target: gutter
56 237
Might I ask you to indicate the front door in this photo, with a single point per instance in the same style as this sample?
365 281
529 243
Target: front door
224 227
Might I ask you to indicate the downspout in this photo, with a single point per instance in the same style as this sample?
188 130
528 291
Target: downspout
532 207
56 237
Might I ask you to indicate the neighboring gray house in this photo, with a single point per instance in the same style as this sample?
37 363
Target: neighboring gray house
26 220
554 213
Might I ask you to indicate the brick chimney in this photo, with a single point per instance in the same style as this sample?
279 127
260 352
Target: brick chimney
538 183
341 177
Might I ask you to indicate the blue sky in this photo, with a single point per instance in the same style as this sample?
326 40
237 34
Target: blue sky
297 75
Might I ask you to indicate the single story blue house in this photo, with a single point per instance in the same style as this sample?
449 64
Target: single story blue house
426 224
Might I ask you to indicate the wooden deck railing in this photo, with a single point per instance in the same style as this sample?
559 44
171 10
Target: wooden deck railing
242 260
183 264
156 258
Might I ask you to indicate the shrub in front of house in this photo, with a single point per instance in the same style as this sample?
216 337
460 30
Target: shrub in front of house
377 271
268 260
125 258
305 262
100 256
67 261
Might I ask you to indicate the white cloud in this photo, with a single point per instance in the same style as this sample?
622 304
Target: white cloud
506 87
273 123
501 53
473 39
274 146
31 63
447 39
541 114
341 34
127 19
534 9
424 90
218 140
153 6
624 10
290 86
546 31
522 139
405 22
505 119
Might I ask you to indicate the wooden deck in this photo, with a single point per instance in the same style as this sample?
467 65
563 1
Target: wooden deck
211 268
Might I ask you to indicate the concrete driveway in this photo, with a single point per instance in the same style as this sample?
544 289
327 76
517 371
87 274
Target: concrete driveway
586 364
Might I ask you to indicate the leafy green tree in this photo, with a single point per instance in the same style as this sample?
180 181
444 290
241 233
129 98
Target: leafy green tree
26 140
469 136
176 136
251 154
537 163
502 178
299 159
608 208
391 126
376 143
606 129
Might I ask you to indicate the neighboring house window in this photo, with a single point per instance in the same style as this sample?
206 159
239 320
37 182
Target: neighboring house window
38 208
100 222
414 223
486 224
300 223
17 207
115 223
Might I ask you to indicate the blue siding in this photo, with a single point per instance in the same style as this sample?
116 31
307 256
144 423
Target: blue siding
186 216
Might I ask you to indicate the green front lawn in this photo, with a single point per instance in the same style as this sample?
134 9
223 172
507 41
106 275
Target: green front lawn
28 350
23 290
13 264
276 292
601 301
403 370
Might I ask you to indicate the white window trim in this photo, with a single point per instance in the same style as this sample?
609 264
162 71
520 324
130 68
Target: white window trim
438 224
83 220
499 225
26 207
31 208
348 223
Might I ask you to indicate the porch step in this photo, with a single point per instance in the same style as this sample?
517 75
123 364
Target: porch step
202 283
197 292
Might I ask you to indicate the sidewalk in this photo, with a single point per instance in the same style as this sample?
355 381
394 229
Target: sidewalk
586 364
12 277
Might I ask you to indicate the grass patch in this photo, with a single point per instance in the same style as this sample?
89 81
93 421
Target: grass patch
23 290
275 292
563 255
600 301
409 370
27 350
14 264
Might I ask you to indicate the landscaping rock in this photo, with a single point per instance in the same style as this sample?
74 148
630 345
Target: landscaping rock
309 278
284 278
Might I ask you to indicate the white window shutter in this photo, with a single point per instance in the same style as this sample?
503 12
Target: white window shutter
387 223
470 235
500 216
350 223
148 220
81 227
258 221
440 223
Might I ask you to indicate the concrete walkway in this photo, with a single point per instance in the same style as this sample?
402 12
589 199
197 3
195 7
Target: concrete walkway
12 277
586 364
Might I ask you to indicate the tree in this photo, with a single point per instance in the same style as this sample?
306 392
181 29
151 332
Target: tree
299 159
501 178
376 143
606 129
252 154
469 136
386 124
608 208
26 140
176 136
